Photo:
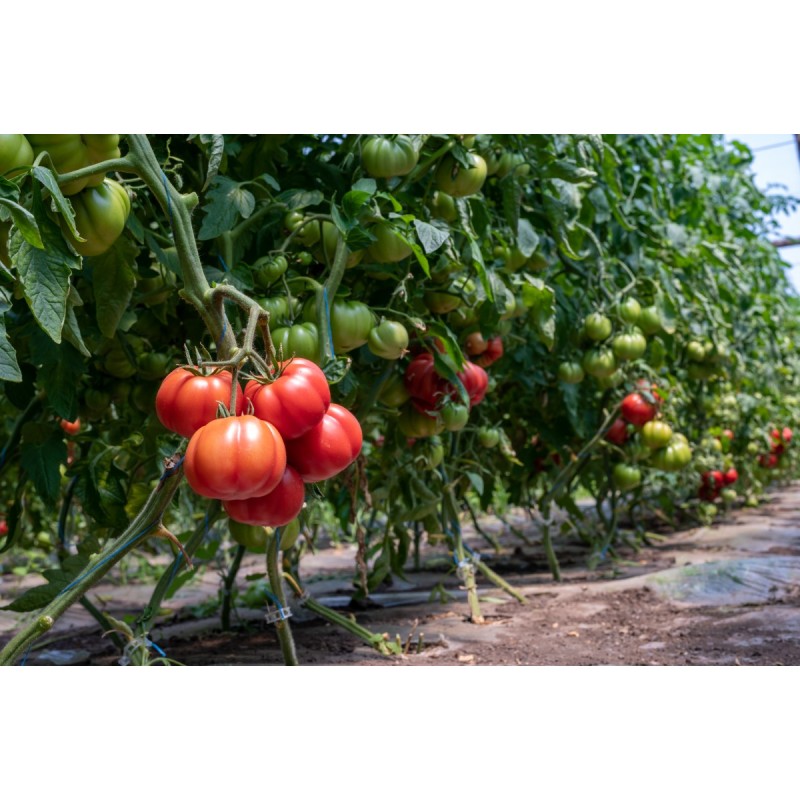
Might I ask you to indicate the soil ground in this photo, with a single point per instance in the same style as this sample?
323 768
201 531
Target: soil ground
725 595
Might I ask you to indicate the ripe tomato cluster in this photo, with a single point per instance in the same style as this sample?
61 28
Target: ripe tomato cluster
781 439
712 483
258 463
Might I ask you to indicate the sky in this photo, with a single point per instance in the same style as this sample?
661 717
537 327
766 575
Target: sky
776 162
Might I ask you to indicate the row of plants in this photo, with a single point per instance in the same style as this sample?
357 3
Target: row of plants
378 337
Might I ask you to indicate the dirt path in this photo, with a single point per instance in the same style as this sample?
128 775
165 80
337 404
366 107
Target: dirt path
725 595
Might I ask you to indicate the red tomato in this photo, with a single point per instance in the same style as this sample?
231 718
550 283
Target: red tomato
637 410
185 401
423 382
618 432
731 476
295 402
494 351
279 507
728 433
328 447
475 381
71 428
231 458
3 527
787 435
713 478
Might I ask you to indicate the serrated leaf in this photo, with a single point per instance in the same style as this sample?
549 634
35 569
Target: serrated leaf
42 452
37 597
44 275
49 181
542 300
566 171
72 333
25 222
9 190
430 236
527 238
296 199
223 207
114 279
9 366
214 158
367 185
354 201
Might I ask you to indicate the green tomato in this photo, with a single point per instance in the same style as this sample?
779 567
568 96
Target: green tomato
100 216
454 416
626 477
428 454
97 402
443 207
153 366
279 311
388 340
441 302
15 151
418 426
629 346
71 151
514 164
117 363
393 392
351 322
489 437
650 320
389 157
297 341
456 181
570 372
304 258
599 362
700 372
389 248
597 326
656 434
269 269
611 381
308 235
729 495
696 351
143 397
253 537
629 310
158 289
674 457
330 240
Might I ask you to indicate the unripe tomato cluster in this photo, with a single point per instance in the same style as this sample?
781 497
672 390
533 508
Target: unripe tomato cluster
258 463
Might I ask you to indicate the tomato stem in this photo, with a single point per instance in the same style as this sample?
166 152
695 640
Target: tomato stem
227 587
276 584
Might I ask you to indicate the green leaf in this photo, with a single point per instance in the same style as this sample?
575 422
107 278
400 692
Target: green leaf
270 181
45 274
214 158
49 181
367 185
567 171
419 255
300 198
57 581
8 190
25 221
9 366
443 367
226 202
42 452
354 201
72 332
512 198
431 236
113 278
474 256
527 238
476 481
451 346
542 300
60 376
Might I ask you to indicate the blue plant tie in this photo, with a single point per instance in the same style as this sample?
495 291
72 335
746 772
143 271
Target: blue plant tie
327 313
222 261
224 331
